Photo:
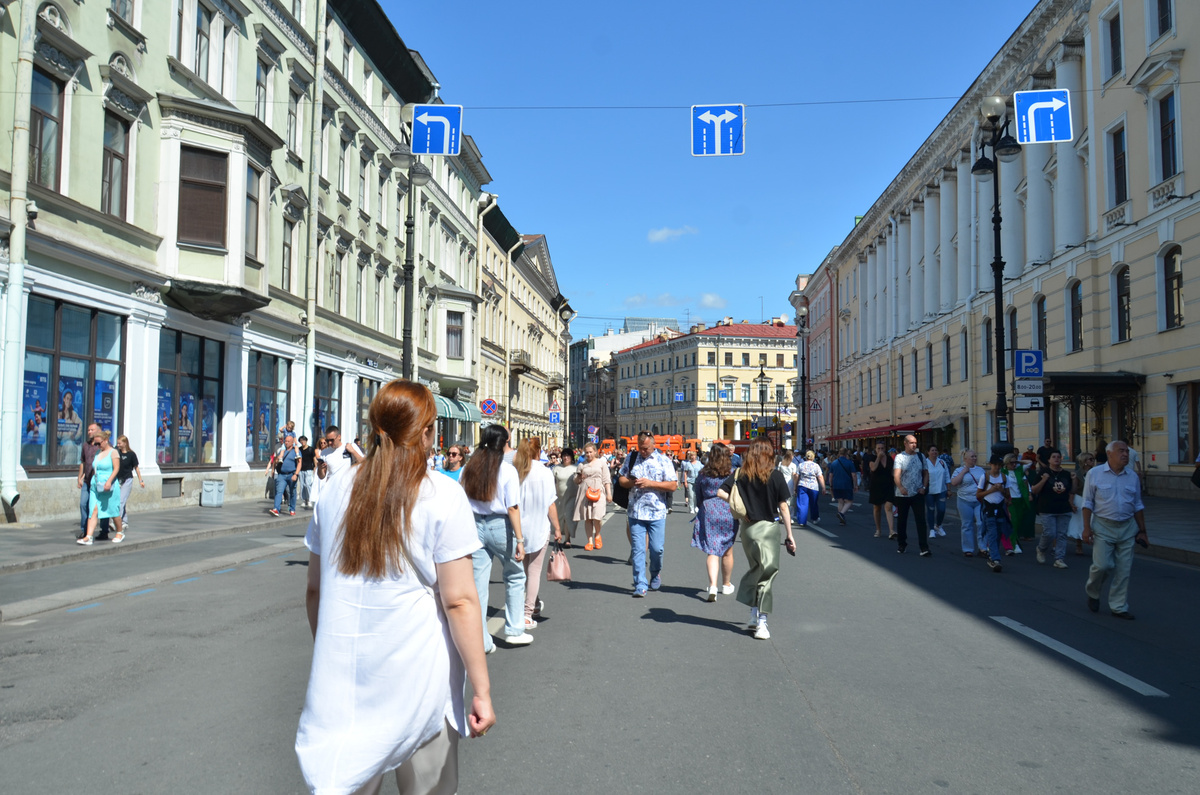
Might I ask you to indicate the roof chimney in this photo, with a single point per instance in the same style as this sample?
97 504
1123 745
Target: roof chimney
696 327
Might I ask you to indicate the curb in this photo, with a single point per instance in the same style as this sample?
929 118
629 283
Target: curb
187 536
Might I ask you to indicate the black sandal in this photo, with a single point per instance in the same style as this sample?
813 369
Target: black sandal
566 544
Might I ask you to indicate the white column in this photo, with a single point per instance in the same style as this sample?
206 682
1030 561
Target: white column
966 244
948 257
884 294
872 316
1039 208
140 408
233 421
1070 187
916 307
861 332
348 419
1012 229
903 277
933 279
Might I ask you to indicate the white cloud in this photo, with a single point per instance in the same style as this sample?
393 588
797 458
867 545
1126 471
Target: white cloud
666 299
666 234
636 300
712 301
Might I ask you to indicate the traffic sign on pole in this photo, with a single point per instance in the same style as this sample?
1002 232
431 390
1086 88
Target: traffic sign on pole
1043 117
436 129
679 397
815 405
1027 364
487 407
633 394
592 429
1029 402
718 130
555 405
555 418
1029 387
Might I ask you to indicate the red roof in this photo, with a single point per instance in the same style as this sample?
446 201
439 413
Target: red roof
758 330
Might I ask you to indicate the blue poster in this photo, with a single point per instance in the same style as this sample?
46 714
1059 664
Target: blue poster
103 407
69 424
162 433
264 426
187 413
208 422
33 408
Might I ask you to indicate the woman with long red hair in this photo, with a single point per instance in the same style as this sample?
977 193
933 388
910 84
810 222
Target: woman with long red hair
394 614
538 515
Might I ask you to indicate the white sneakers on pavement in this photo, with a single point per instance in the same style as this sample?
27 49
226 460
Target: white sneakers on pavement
712 593
524 639
760 630
1058 564
728 589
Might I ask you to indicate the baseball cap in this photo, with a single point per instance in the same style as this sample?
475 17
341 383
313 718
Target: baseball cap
1030 447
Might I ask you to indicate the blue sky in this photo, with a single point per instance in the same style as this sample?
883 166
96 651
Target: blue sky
636 225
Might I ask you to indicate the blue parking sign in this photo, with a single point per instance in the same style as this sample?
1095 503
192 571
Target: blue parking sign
1027 364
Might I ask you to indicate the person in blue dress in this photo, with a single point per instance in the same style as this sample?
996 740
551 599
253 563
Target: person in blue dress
844 477
104 500
715 528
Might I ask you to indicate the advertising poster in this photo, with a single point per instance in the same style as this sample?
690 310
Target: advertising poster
162 433
70 422
208 430
103 408
184 431
250 413
264 429
34 401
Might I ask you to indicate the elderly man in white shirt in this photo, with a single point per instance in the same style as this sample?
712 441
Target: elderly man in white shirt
1113 520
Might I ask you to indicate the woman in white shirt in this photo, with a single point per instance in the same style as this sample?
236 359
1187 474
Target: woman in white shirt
994 495
393 611
494 491
538 515
935 497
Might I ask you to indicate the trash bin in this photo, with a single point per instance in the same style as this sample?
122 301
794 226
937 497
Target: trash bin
212 494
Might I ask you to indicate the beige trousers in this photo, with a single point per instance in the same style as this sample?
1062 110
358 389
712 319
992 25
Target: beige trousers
432 770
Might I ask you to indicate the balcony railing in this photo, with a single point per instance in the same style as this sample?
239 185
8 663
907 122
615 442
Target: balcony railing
520 362
555 380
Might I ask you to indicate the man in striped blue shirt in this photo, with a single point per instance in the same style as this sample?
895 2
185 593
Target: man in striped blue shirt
1113 519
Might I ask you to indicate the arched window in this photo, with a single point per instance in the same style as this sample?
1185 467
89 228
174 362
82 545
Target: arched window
1124 324
945 361
1039 322
1011 340
987 346
1075 315
1172 271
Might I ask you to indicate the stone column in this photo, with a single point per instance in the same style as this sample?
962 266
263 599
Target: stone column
916 308
1070 186
143 330
1012 229
966 245
948 257
884 294
903 277
1039 206
872 317
860 334
933 279
233 421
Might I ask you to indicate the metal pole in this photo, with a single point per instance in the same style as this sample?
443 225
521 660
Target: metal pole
804 395
409 370
1002 446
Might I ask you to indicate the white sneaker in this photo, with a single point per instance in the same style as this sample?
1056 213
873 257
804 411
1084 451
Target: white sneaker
524 639
941 532
728 589
1017 549
1058 564
760 631
712 593
1041 556
491 650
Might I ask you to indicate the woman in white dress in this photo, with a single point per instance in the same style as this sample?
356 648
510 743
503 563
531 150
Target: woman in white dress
567 490
394 614
538 515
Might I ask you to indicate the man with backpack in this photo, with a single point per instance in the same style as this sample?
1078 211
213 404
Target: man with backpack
287 472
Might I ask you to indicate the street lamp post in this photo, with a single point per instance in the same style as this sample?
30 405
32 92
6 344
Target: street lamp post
802 332
418 175
764 381
1004 148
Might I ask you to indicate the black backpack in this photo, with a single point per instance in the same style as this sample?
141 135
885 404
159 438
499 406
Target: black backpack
620 493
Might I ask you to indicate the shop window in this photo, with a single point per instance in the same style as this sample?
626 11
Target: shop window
73 377
327 403
268 386
189 399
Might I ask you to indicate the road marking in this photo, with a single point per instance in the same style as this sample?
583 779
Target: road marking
189 579
224 571
256 563
145 591
22 623
823 532
1104 669
83 607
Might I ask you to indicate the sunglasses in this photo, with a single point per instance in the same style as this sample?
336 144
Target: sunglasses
453 455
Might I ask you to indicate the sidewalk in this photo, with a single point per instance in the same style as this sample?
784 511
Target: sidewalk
53 543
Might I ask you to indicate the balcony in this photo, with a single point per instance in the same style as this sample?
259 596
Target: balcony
520 362
556 380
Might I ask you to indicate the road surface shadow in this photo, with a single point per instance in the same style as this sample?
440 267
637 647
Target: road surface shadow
665 615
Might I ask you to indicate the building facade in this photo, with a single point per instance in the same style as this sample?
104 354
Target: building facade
1099 250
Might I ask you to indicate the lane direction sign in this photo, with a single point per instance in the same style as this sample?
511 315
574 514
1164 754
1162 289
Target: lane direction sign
718 130
437 130
679 397
1043 117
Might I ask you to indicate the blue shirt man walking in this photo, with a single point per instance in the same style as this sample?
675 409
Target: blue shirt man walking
650 480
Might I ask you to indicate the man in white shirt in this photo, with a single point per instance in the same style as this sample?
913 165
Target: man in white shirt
1113 520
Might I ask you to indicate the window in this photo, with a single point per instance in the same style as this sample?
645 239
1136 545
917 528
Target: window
260 93
1164 17
298 10
1075 303
337 264
712 358
879 380
367 76
189 399
123 9
378 302
929 366
900 375
268 379
711 392
358 292
380 207
204 19
115 166
73 377
179 30
729 360
202 177
1120 177
870 388
779 360
293 121
347 49
1011 337
1039 321
745 360
964 367
285 257
860 390
362 185
1168 163
454 335
916 380
327 403
252 187
1124 328
745 393
1173 286
945 361
45 130
987 346
343 176
1112 45
779 393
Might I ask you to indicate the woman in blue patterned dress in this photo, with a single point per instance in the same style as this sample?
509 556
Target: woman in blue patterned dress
715 527
104 501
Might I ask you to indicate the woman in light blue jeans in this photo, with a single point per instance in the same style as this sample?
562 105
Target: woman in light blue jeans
496 534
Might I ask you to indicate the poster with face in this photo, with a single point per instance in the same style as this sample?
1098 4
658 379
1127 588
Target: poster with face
33 409
69 422
187 411
162 432
103 408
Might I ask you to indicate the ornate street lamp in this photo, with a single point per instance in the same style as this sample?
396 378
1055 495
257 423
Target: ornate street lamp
417 175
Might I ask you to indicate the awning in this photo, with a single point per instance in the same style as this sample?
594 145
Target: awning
449 408
939 423
880 430
472 412
1114 384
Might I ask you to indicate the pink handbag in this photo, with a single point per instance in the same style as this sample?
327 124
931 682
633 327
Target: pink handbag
560 567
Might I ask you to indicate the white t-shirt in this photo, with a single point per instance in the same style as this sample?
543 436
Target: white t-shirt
972 478
386 676
507 495
789 472
809 471
537 495
939 476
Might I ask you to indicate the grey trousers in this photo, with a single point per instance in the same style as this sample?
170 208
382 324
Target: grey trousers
431 770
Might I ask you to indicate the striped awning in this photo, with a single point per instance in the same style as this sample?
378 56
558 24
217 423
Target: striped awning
448 408
472 412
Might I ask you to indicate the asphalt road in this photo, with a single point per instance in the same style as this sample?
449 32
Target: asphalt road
885 673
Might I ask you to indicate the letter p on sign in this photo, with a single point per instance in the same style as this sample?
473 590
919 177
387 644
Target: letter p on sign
1029 364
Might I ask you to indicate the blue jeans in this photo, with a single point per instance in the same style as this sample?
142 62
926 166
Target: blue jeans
84 497
935 509
639 529
994 528
1054 532
284 483
808 505
971 525
496 534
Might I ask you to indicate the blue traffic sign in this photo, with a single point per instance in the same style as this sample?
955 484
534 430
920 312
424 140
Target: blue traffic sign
633 394
436 129
726 394
555 418
1027 364
680 397
718 130
1043 117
